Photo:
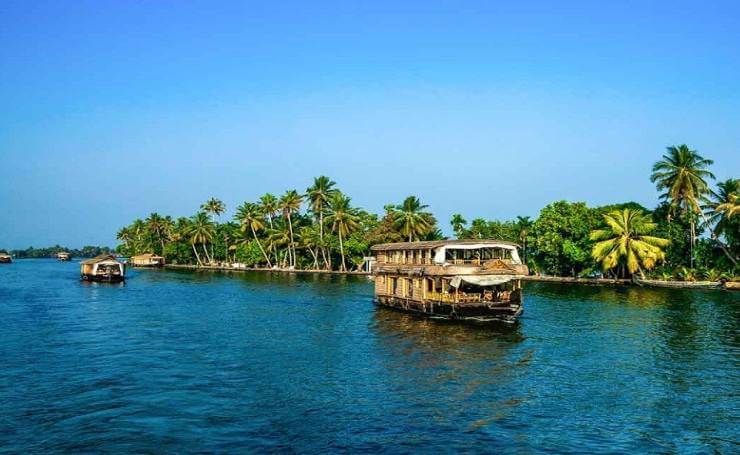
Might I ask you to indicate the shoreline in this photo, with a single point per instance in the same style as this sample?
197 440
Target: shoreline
542 279
257 269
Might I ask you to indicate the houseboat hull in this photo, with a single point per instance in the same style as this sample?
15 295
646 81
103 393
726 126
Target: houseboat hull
103 278
5 260
479 312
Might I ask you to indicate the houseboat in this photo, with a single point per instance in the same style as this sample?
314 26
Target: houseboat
102 268
466 280
146 260
5 258
64 256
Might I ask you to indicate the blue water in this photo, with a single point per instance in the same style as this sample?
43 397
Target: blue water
209 362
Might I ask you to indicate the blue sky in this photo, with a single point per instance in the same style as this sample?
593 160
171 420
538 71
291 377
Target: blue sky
112 110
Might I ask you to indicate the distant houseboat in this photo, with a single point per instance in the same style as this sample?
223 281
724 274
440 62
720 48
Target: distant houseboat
5 258
64 256
468 280
146 260
102 268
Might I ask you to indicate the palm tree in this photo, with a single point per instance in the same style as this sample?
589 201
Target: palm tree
524 224
215 207
138 232
682 177
722 205
731 207
201 231
124 235
343 219
250 215
277 238
626 242
318 196
156 225
310 238
269 205
290 203
458 224
411 220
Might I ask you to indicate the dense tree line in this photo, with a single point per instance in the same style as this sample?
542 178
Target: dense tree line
693 233
50 252
316 229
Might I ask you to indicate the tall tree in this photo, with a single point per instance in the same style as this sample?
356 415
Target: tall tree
124 235
311 240
249 216
269 205
343 219
411 219
278 238
682 176
458 224
318 197
626 242
215 207
524 225
201 231
721 211
290 203
156 225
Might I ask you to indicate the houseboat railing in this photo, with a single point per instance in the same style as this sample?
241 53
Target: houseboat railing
461 297
450 261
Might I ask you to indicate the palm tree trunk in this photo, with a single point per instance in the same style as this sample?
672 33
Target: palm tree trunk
341 249
693 240
205 251
195 250
292 245
321 236
260 245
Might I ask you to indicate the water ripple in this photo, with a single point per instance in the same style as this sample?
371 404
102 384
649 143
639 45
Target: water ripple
209 362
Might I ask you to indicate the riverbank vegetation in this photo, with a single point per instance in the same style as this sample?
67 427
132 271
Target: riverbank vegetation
694 233
51 252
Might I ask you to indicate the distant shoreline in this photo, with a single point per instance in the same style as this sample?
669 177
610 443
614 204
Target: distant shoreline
257 269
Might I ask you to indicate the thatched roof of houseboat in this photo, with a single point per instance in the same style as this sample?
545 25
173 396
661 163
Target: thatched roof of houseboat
432 244
4 255
100 258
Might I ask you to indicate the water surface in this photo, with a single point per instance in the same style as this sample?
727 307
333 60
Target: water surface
202 361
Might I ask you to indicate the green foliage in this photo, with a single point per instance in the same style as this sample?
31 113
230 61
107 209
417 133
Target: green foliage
626 242
322 229
50 252
562 244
